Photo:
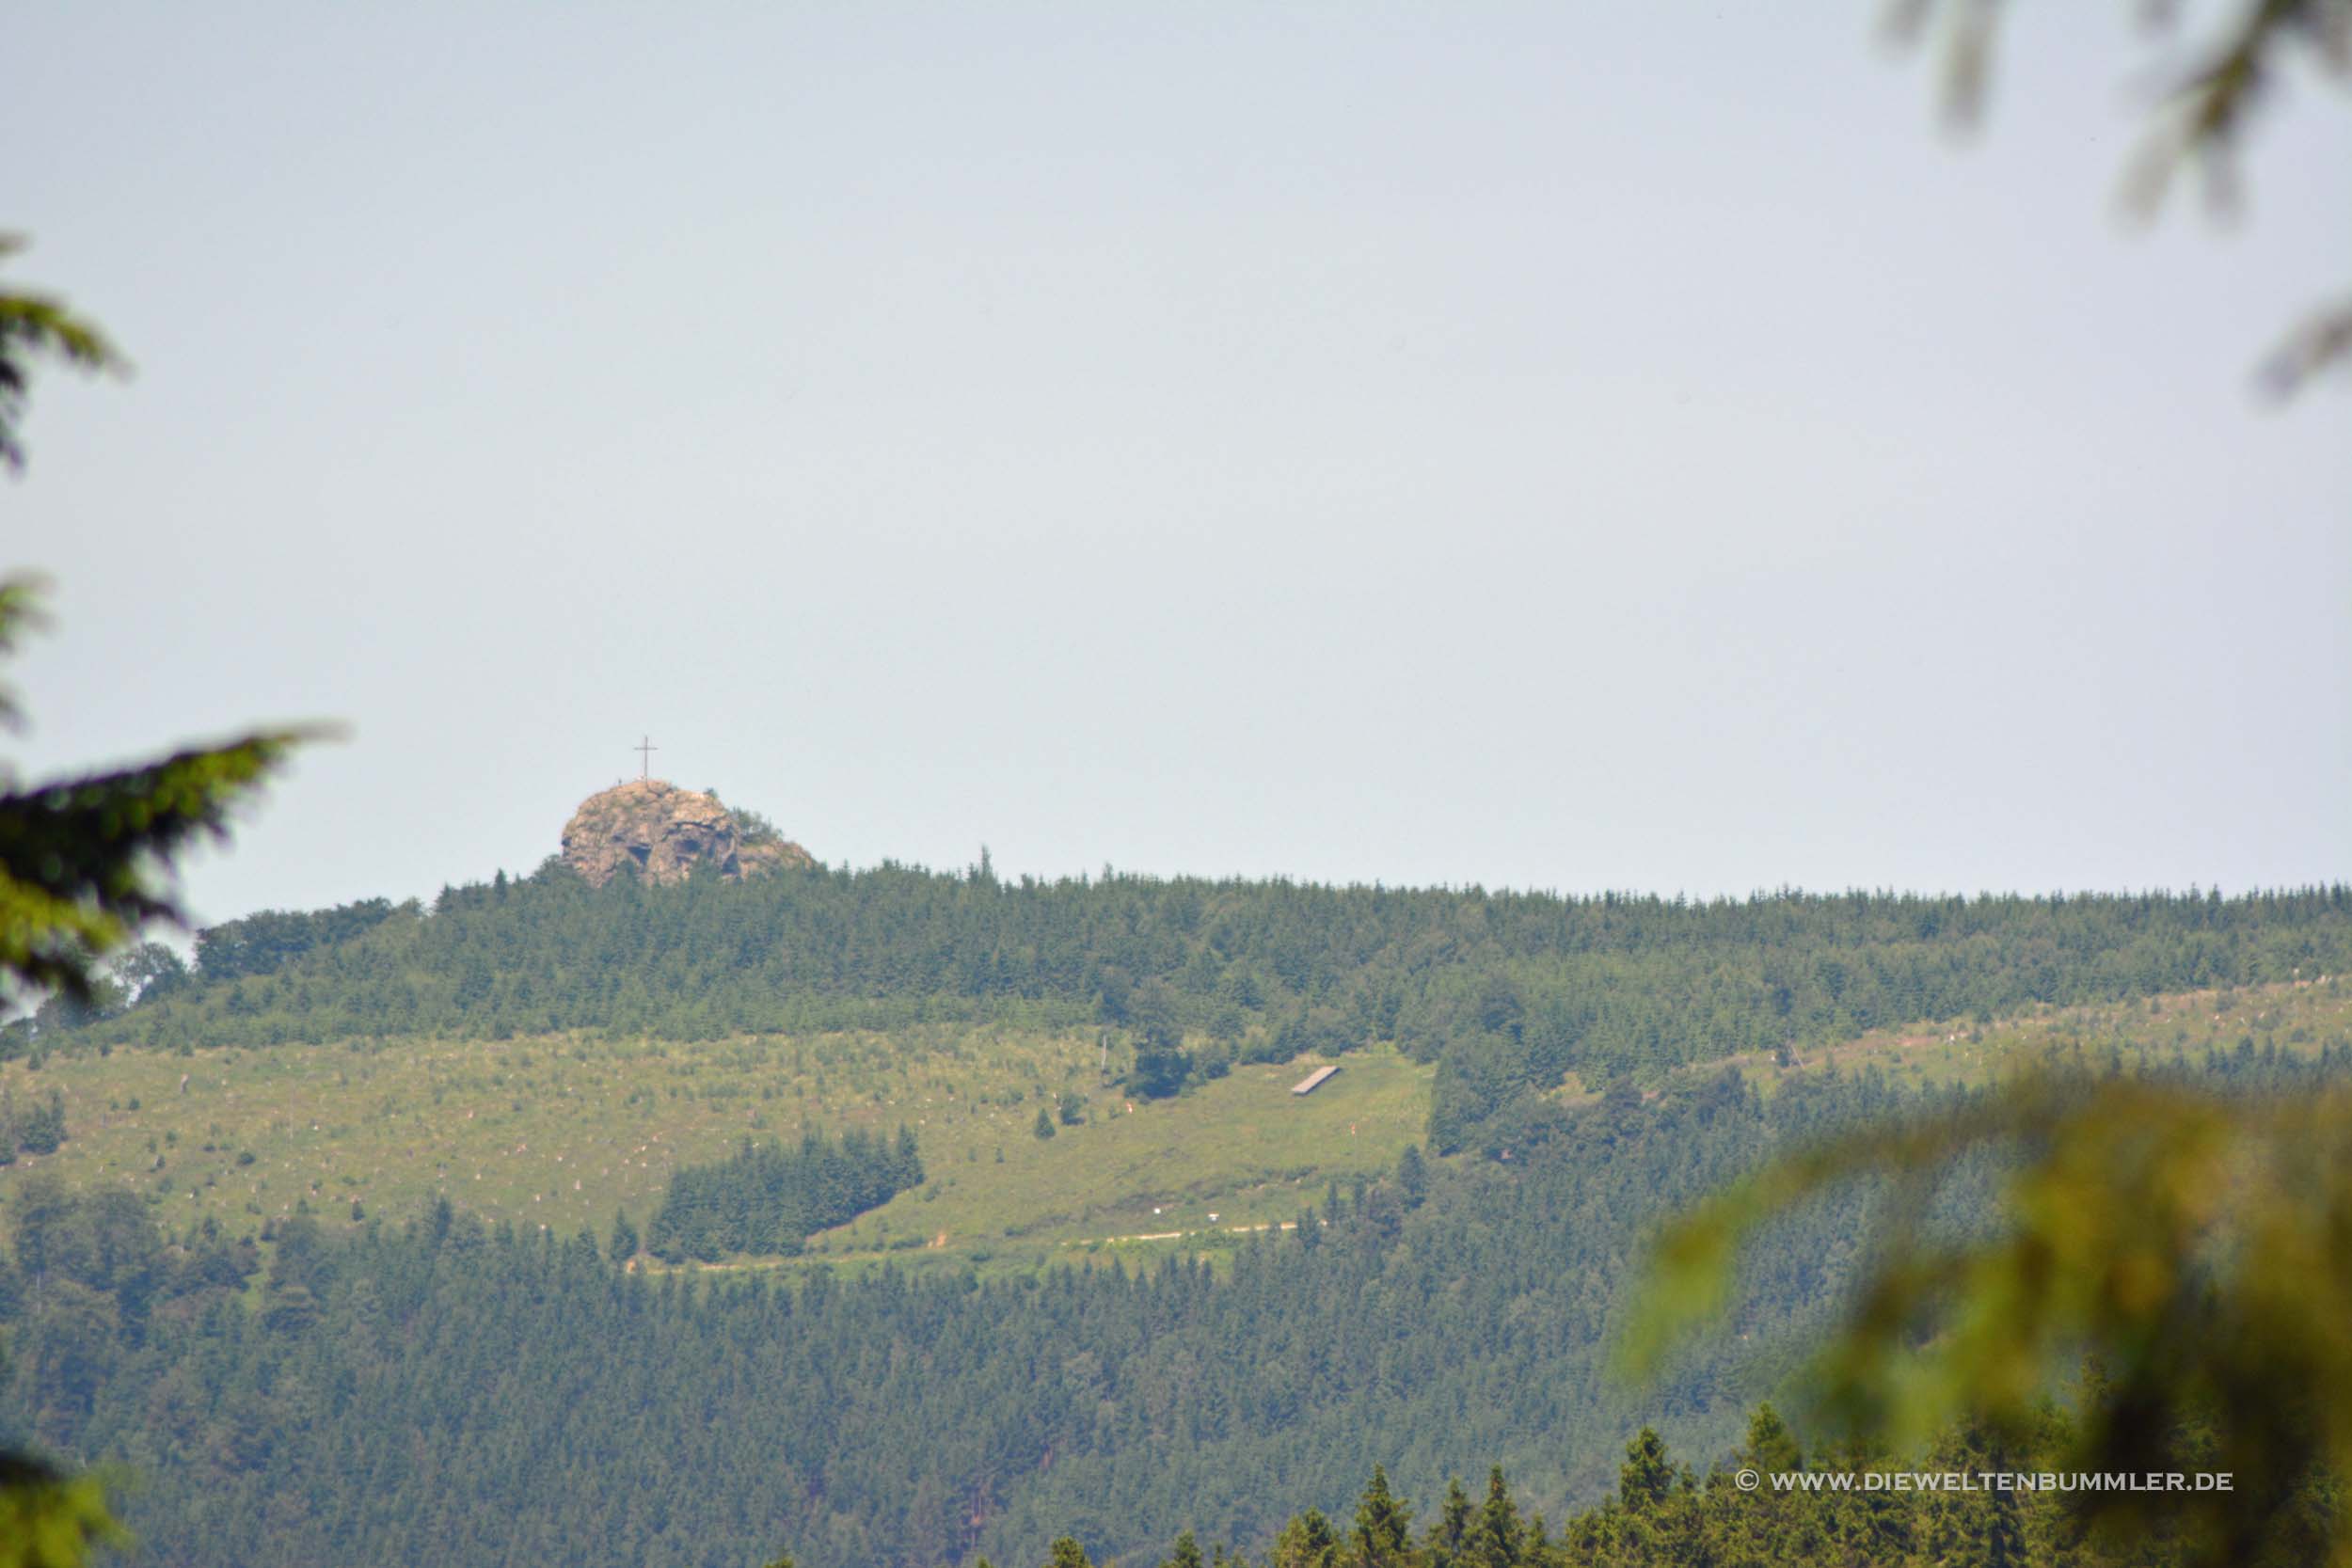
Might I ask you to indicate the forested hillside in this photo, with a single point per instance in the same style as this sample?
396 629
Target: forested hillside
1995 1501
210 1286
1507 992
440 1390
433 1389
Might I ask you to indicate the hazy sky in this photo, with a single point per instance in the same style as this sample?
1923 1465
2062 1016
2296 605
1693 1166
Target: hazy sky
1608 446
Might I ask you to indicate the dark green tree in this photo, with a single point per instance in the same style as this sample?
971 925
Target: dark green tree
1451 1528
1412 1176
41 1130
1161 1063
1647 1476
1383 1534
1772 1447
1307 1542
1978 1529
1497 1538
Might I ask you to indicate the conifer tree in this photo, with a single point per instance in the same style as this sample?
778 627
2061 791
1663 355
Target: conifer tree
1497 1539
1382 1537
41 1130
1412 1176
1973 1530
1307 1542
1647 1476
1772 1447
1452 1525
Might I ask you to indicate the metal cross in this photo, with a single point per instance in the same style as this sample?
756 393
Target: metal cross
645 750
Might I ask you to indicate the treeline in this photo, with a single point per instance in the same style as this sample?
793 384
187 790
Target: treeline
1506 991
440 1390
771 1198
265 943
1769 1505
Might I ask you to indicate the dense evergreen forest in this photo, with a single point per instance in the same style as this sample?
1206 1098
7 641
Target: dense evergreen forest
1507 991
770 1199
1990 1501
437 1390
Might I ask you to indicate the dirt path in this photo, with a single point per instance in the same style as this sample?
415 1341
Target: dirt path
1179 1235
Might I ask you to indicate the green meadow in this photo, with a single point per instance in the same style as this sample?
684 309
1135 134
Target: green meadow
563 1132
2300 1016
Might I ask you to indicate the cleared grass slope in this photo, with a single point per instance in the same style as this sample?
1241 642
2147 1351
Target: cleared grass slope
562 1132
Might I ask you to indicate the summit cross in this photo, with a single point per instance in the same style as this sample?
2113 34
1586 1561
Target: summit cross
645 750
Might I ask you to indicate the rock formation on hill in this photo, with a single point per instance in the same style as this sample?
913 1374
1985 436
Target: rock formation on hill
666 832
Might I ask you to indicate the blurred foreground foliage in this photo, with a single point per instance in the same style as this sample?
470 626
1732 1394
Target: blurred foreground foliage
34 326
85 861
2179 1253
49 1519
85 864
2203 101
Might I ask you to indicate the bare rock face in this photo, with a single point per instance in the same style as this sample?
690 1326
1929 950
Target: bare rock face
664 832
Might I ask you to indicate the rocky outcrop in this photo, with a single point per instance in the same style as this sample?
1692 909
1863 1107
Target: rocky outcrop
663 832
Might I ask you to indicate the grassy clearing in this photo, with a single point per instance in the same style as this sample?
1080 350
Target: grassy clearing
2299 1016
1240 1151
561 1132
